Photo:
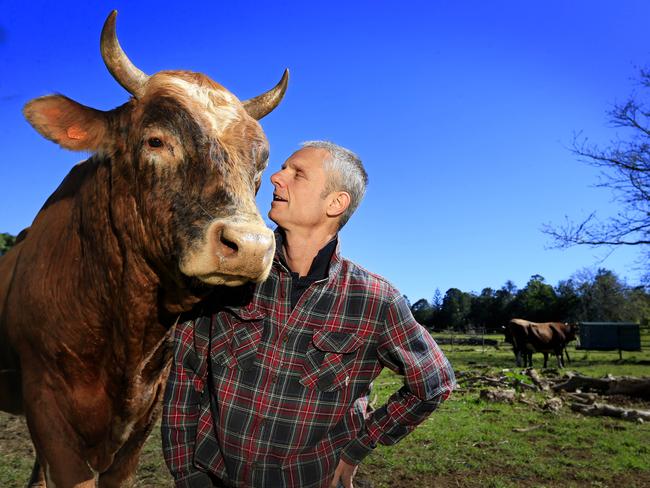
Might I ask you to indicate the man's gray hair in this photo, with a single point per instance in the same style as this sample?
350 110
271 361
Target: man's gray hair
345 172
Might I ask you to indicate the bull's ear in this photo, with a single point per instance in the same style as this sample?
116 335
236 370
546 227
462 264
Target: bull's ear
66 122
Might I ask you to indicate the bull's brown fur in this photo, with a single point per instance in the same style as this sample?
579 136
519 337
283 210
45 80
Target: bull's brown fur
89 296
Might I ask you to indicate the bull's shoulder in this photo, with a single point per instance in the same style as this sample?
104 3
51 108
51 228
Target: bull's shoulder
543 332
80 173
521 322
560 330
22 235
558 325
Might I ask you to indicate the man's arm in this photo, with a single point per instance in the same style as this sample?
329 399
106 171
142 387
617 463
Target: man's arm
181 404
407 348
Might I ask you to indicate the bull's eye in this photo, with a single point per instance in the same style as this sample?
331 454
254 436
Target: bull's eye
155 142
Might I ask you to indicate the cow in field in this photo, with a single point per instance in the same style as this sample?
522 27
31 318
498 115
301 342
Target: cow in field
134 236
548 337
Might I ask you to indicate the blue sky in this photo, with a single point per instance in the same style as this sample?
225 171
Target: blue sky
461 111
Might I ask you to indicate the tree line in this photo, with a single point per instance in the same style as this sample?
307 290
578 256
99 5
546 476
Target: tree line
599 296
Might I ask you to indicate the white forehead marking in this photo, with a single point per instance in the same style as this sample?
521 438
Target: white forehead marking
219 115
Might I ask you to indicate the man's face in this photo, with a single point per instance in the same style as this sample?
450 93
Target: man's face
298 202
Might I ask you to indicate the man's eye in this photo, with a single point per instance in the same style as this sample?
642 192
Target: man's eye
155 142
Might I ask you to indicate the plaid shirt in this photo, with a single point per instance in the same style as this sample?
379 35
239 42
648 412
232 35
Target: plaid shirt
284 395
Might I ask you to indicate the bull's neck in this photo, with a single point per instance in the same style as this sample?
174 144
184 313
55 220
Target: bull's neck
105 252
146 262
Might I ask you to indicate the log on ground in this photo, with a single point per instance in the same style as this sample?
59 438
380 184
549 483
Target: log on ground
598 409
624 385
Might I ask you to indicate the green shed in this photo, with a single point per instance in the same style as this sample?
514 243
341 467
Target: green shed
609 336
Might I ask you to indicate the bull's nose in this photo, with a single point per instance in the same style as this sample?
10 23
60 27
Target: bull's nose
244 249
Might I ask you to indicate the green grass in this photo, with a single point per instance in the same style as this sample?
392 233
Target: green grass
468 442
473 441
14 469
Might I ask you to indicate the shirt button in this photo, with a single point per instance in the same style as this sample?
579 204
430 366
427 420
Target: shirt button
285 339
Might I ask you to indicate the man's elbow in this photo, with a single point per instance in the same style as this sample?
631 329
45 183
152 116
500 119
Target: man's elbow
439 383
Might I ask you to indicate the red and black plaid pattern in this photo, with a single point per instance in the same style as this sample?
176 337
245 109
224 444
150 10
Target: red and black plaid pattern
284 395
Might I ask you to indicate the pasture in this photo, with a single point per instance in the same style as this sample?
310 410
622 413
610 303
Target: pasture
468 442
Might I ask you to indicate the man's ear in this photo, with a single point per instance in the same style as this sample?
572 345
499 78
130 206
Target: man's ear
66 122
339 201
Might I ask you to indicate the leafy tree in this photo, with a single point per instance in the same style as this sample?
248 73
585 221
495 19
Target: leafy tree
569 302
604 298
503 303
638 308
422 312
536 302
436 303
625 170
6 242
481 309
509 287
456 306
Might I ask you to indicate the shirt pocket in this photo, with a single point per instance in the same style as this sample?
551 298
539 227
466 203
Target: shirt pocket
236 339
328 360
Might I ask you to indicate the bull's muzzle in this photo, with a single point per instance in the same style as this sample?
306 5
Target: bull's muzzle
243 249
234 253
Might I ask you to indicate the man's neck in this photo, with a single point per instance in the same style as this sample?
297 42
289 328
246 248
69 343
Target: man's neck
301 249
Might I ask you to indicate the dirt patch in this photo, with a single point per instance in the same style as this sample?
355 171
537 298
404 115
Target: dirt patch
14 436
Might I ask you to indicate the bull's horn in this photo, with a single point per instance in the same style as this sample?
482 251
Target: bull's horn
263 104
121 67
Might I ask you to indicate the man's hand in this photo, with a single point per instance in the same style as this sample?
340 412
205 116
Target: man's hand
343 475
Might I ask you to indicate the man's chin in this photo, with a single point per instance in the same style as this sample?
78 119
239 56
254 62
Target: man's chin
272 217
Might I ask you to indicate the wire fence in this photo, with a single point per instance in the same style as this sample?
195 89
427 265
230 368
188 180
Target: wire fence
475 337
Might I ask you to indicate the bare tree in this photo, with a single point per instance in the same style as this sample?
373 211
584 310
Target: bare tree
625 170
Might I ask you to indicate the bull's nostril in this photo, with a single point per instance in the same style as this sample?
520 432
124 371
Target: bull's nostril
228 248
225 247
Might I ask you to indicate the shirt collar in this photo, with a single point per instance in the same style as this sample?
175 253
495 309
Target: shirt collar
321 263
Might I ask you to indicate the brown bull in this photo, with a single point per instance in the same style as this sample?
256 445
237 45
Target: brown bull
549 337
131 238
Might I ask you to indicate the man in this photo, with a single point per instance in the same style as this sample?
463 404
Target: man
283 399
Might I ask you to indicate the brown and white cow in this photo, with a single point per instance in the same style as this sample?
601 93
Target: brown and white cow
131 238
528 337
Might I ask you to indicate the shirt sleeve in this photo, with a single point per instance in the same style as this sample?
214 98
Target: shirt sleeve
181 404
408 349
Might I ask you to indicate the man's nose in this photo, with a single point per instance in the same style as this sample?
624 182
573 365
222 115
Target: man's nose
276 179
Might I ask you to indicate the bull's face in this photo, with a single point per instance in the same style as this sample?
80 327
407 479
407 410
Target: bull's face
200 158
191 155
571 331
